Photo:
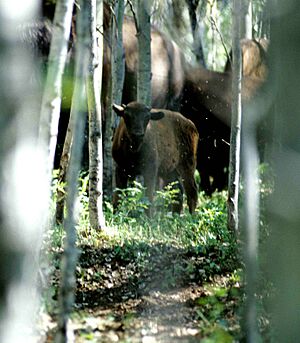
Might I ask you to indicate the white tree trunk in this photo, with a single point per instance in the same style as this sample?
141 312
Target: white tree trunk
51 102
78 111
250 160
234 163
94 81
23 183
248 19
250 225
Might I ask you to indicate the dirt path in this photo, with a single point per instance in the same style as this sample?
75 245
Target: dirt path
157 317
147 294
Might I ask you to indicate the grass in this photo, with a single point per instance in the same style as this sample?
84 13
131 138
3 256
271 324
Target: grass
170 250
130 226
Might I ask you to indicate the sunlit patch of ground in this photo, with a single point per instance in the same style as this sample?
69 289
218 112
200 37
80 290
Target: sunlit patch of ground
159 293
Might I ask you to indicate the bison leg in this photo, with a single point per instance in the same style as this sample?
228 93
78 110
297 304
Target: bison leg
190 188
121 183
203 166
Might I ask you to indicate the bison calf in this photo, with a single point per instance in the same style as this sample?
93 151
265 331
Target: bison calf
155 144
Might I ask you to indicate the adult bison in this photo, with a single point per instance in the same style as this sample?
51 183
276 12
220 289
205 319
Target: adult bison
155 144
207 102
167 65
199 94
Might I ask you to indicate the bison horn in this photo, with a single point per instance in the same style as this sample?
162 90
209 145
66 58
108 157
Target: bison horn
119 109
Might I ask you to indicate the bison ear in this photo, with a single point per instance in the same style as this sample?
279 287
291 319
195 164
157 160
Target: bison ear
119 109
157 115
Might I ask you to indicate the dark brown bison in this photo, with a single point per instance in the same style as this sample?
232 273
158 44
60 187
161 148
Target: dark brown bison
167 66
207 102
155 144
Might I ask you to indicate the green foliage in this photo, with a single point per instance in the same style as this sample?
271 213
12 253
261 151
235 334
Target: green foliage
206 229
133 202
214 307
165 251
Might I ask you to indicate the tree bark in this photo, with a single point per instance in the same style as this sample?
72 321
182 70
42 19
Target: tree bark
144 51
50 108
250 225
117 82
234 162
250 159
94 81
24 188
78 110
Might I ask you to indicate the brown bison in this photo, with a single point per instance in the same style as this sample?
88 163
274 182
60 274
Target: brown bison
155 144
254 58
167 66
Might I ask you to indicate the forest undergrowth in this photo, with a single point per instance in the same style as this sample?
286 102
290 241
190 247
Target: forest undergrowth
171 278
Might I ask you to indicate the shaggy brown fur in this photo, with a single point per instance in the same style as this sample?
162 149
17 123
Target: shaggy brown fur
167 67
254 54
155 144
207 102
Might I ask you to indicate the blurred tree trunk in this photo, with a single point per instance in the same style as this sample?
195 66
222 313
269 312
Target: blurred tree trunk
24 187
234 163
251 205
69 260
198 48
144 52
117 82
94 82
283 210
250 222
52 94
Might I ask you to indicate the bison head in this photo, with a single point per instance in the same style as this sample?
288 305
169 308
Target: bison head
136 118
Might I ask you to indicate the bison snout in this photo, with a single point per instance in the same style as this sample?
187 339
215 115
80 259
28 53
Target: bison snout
137 140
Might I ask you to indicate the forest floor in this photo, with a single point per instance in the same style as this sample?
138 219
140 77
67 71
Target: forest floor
151 293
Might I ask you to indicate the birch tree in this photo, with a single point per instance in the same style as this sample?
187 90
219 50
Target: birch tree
248 19
23 183
234 162
78 110
144 52
94 81
51 102
250 160
116 91
251 203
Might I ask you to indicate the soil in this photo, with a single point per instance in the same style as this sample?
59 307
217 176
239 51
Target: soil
147 294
